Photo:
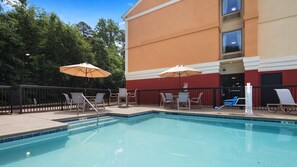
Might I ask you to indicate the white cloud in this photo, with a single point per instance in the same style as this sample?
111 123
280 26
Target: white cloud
122 23
11 2
130 4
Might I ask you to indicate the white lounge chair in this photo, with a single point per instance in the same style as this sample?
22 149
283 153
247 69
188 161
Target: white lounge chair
112 96
133 96
197 100
183 99
68 101
169 97
123 95
286 101
78 100
99 100
164 100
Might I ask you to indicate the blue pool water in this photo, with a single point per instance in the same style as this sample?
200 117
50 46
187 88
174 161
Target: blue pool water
163 141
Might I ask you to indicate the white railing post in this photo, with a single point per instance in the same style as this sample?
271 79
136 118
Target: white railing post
249 99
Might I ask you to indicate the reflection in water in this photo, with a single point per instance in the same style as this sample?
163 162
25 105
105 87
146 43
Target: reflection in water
285 135
249 137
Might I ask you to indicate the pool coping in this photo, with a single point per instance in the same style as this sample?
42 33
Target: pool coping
33 133
223 116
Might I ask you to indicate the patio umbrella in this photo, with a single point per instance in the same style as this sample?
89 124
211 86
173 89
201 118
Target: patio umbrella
179 71
85 70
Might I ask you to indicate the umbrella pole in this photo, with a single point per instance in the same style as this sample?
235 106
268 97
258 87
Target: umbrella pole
86 81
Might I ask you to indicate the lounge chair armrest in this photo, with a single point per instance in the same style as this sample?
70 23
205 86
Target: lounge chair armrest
228 100
195 98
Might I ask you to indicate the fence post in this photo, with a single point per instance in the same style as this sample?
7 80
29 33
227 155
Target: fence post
214 96
16 98
21 99
138 96
109 98
11 100
62 102
158 102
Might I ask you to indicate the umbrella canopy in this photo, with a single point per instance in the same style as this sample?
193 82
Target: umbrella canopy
180 71
84 70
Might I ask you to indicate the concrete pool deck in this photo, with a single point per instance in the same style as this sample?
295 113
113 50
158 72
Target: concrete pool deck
17 124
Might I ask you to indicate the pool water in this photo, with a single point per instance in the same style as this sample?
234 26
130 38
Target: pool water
163 140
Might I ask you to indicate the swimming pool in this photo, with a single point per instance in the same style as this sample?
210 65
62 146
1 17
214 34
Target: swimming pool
163 140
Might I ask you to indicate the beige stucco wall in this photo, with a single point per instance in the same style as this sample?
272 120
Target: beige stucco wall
277 28
194 48
183 33
250 9
251 28
251 37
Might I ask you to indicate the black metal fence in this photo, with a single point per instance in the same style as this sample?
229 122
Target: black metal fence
5 99
33 98
152 96
215 96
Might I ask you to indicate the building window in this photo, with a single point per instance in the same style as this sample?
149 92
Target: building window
230 6
231 42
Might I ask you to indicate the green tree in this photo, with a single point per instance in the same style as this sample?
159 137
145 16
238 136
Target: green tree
85 29
110 35
108 31
51 43
10 46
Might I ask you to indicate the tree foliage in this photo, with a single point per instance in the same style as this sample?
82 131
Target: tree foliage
51 43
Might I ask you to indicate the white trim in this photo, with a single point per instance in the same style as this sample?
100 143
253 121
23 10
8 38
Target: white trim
126 48
251 63
132 8
279 63
152 10
206 68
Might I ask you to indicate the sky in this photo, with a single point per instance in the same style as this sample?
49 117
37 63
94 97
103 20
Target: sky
89 11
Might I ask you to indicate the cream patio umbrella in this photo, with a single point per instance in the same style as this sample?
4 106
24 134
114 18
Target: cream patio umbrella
179 71
85 70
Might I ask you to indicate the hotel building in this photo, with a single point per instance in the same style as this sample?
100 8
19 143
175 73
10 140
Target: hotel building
231 41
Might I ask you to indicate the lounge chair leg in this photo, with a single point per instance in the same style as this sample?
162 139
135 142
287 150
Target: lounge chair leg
221 107
189 105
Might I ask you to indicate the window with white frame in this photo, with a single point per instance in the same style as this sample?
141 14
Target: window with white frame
232 41
230 6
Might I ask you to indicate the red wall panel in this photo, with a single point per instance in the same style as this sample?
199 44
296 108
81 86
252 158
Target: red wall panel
206 80
252 77
290 77
198 81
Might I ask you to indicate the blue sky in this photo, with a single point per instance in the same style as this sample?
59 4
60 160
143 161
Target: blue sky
89 11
